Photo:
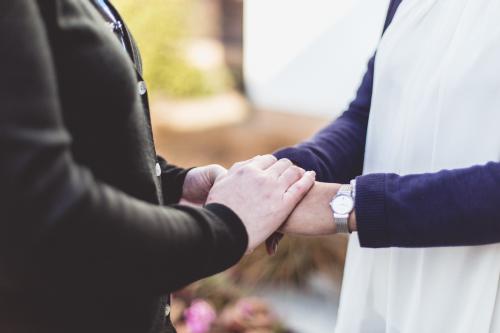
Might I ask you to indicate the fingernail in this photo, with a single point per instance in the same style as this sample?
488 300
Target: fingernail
275 246
271 246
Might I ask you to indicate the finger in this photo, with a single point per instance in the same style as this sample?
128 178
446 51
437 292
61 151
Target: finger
291 175
272 243
300 188
242 163
215 171
263 162
279 167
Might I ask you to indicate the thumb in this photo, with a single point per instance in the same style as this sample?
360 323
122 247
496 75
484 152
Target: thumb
215 171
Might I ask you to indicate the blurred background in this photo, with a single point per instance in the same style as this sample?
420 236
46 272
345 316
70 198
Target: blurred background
230 79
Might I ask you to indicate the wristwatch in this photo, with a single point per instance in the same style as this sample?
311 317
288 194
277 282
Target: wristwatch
342 206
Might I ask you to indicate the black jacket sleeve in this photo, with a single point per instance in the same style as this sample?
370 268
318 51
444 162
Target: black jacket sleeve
56 219
172 181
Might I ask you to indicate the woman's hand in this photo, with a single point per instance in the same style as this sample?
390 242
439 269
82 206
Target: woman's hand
199 181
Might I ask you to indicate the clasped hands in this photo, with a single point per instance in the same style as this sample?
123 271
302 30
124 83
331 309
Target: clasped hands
268 195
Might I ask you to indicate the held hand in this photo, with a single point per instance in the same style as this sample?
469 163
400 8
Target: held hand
313 216
262 192
199 181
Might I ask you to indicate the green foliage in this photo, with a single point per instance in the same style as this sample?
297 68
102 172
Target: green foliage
161 27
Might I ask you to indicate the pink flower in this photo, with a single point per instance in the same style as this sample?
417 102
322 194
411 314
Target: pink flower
245 307
199 316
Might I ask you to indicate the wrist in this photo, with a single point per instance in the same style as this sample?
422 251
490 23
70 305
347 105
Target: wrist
352 222
313 216
352 216
187 185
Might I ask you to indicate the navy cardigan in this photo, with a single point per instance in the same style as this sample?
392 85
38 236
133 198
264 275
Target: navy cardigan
447 208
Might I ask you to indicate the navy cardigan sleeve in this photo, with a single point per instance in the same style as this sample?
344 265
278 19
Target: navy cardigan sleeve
336 152
448 208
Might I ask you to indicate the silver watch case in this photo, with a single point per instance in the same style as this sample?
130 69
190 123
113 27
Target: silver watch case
342 204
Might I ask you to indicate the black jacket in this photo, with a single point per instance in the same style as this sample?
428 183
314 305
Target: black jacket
90 237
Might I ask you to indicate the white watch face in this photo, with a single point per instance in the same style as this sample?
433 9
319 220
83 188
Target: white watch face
343 204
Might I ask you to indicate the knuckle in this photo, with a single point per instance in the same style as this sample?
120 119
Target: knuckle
296 169
292 174
286 161
217 167
241 171
271 157
236 165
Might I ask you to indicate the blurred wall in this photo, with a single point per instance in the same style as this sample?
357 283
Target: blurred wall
308 56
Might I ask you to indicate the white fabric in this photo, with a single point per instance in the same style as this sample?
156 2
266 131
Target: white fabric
436 105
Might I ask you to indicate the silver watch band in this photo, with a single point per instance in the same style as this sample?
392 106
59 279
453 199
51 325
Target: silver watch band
342 224
353 184
342 221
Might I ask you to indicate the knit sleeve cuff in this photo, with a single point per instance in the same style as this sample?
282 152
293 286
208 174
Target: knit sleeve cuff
232 249
371 217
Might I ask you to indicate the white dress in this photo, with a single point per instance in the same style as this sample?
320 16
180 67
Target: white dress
435 105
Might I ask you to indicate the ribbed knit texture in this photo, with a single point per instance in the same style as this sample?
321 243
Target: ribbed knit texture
371 216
